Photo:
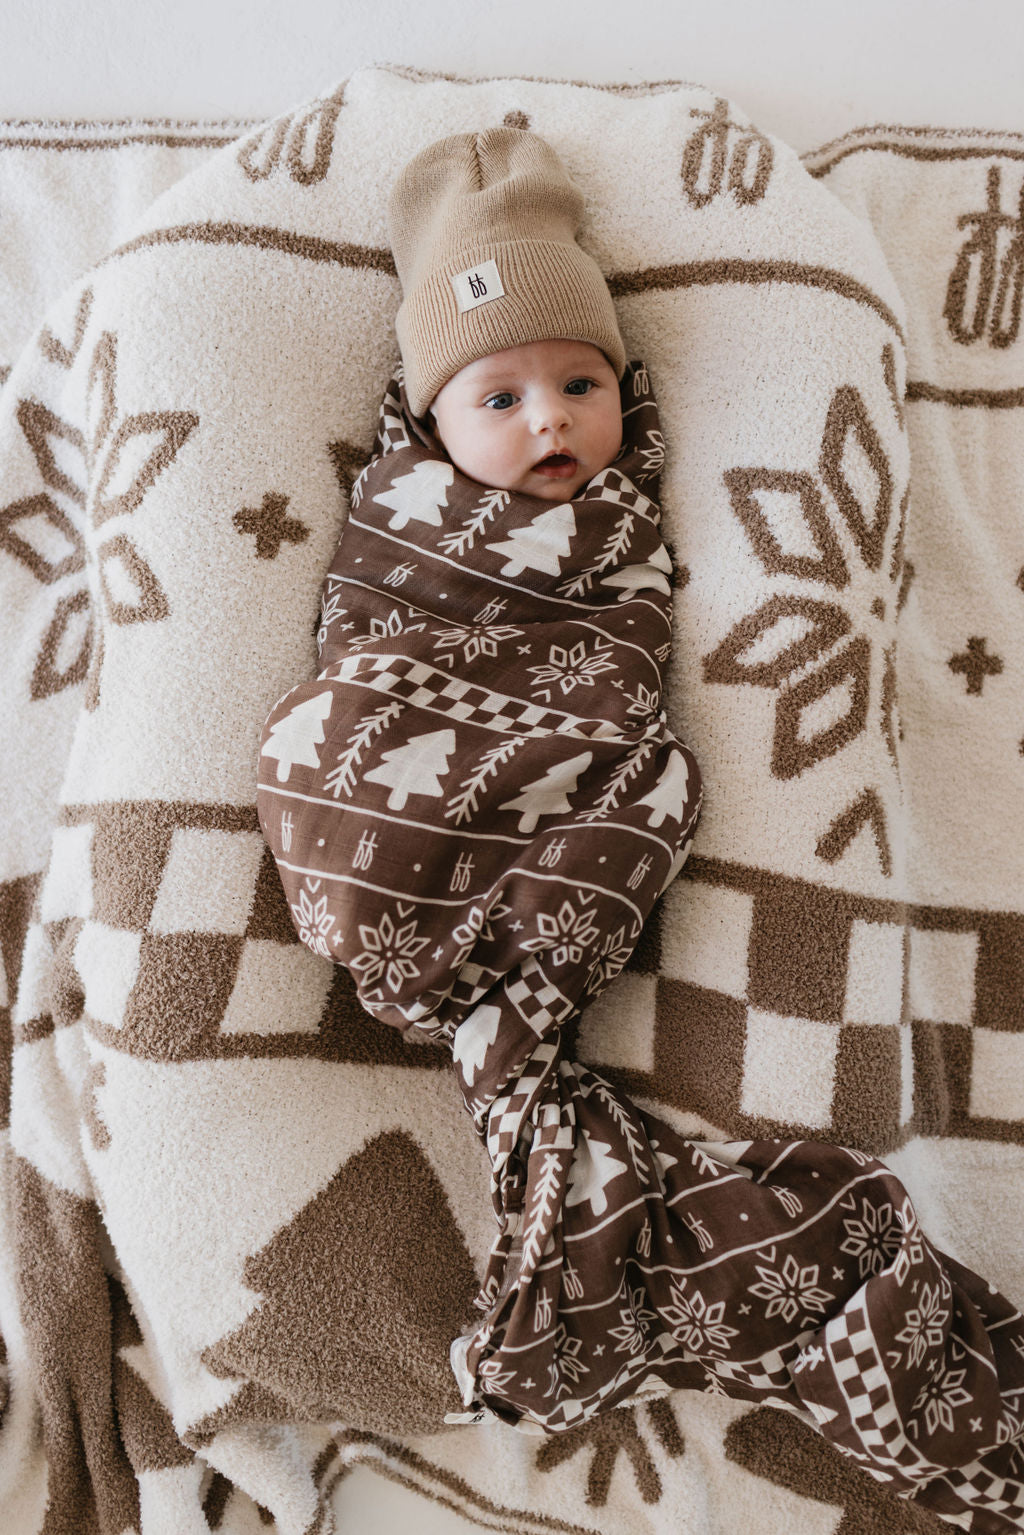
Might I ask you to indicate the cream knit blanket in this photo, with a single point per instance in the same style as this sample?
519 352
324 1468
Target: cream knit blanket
217 1166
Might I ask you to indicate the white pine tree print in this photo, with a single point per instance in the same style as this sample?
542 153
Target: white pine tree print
668 797
593 1168
295 738
541 545
473 1038
549 795
419 496
651 576
415 768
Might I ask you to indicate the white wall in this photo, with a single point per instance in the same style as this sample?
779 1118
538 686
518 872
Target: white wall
806 69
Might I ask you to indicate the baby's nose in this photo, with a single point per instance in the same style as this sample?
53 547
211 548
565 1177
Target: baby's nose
551 412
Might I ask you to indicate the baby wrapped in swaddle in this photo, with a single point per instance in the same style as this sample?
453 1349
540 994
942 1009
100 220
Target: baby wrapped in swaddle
477 802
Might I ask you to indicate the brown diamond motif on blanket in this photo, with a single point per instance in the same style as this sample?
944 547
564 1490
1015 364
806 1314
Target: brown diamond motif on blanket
356 1319
51 549
127 454
65 648
133 593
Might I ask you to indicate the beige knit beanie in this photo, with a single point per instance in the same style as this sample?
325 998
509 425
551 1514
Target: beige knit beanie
483 229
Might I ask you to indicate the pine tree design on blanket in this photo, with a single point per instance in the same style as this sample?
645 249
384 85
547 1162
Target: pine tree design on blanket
482 861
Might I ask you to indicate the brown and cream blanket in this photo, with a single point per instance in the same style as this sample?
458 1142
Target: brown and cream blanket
243 1220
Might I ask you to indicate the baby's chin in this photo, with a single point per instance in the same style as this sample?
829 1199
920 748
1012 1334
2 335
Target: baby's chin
556 493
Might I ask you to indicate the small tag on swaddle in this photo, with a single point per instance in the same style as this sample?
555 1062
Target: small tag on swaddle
482 1415
479 285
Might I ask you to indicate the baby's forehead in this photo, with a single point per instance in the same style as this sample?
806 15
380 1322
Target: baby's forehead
538 359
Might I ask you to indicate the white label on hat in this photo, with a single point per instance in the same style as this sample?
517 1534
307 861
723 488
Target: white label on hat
477 286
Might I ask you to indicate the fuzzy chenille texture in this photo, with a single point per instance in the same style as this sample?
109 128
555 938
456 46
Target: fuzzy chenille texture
243 1220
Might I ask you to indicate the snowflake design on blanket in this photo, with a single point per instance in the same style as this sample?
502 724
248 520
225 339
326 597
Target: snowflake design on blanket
825 642
612 956
939 1396
480 638
92 478
874 1238
637 1320
567 1368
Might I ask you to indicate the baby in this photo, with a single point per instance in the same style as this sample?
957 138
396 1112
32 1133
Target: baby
499 795
474 807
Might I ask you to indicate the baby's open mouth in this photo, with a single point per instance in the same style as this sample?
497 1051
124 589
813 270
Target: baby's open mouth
558 465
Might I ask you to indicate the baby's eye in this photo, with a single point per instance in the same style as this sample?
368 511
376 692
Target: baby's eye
501 401
579 386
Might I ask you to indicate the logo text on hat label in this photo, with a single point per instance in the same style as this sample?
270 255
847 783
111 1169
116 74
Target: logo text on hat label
476 286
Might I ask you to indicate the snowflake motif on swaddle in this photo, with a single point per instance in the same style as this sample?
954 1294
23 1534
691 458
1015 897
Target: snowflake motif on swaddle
314 921
637 1319
926 1323
480 638
389 951
874 1238
570 668
790 1290
567 935
698 1323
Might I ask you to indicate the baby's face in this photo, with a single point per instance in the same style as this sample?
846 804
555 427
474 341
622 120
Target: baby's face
542 418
